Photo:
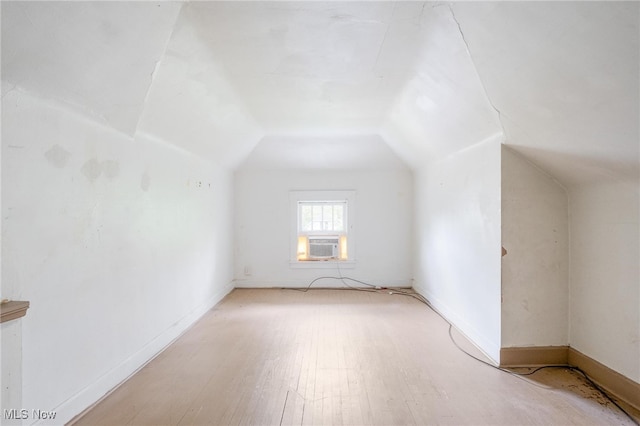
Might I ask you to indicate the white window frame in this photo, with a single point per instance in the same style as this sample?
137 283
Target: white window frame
295 198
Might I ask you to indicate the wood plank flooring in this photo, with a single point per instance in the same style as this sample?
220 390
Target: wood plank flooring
338 357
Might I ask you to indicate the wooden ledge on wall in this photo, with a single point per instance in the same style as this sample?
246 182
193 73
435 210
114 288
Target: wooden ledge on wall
13 309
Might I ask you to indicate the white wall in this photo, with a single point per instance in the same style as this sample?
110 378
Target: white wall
11 362
119 243
445 127
263 223
457 220
535 270
605 290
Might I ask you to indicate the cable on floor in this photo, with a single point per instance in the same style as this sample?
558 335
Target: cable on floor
412 293
543 367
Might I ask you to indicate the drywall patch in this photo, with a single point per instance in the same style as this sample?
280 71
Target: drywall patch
92 169
145 181
57 156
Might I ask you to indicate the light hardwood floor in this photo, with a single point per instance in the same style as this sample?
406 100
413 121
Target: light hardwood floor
338 357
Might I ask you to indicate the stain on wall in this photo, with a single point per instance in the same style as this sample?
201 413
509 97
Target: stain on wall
92 169
145 181
111 168
57 156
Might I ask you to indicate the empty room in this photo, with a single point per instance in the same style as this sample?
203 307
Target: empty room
320 212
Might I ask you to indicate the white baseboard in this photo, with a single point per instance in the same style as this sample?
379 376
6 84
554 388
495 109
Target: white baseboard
73 408
323 283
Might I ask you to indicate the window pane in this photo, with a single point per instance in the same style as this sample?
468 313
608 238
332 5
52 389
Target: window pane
306 217
338 214
317 217
327 217
324 216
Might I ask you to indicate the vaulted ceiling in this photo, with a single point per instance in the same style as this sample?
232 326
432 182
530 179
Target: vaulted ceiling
559 82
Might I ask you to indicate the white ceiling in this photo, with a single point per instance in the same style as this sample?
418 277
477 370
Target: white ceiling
347 152
312 65
556 81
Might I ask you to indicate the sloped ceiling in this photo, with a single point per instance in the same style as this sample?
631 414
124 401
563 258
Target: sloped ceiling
557 81
443 106
83 54
565 78
191 103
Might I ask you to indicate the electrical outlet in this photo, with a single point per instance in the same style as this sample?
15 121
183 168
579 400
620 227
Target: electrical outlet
247 271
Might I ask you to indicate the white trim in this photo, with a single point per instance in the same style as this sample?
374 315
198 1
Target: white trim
322 283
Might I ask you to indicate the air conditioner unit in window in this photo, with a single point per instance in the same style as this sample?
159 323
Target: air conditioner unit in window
321 248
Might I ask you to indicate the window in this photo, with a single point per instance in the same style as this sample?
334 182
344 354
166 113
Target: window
322 230
322 226
321 216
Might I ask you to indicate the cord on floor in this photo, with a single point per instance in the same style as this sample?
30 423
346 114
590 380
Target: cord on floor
412 293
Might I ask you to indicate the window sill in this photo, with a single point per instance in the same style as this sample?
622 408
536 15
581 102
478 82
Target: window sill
323 264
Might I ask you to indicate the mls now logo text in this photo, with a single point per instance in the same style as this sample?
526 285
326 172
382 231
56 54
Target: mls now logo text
15 414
